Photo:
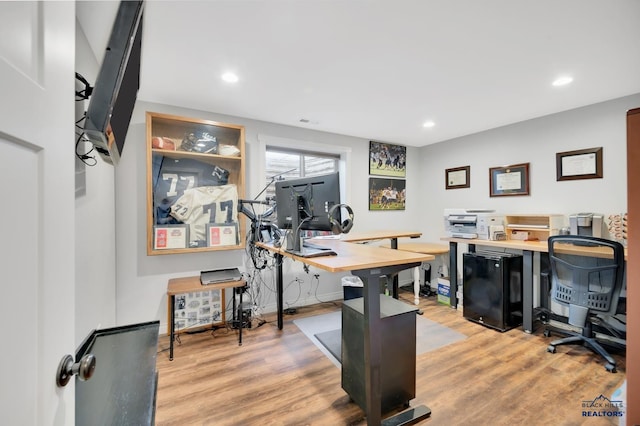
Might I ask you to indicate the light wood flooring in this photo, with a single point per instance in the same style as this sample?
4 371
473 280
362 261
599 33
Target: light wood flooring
281 378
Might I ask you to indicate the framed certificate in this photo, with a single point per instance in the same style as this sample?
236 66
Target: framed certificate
458 177
509 180
580 164
170 237
222 234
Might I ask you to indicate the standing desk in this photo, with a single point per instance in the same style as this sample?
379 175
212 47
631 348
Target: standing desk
426 248
528 249
354 237
365 237
369 263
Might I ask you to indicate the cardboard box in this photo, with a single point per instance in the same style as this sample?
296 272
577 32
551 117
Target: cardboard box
444 291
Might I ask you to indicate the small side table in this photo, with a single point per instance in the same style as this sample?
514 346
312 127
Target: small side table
191 285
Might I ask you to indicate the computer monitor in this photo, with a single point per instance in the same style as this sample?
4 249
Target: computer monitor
304 204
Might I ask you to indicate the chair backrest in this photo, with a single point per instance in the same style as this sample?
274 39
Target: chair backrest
586 273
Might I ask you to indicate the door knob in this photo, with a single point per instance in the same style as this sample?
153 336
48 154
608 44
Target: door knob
67 368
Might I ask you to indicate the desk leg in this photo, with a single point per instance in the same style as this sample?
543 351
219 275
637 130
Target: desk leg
279 289
394 293
240 316
172 326
372 346
453 273
527 291
416 285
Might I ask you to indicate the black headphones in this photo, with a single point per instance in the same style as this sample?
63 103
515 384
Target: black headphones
346 225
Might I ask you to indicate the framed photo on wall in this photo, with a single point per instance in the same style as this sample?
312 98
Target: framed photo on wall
579 164
387 194
509 180
387 160
457 177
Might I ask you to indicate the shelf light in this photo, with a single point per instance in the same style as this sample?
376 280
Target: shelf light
428 124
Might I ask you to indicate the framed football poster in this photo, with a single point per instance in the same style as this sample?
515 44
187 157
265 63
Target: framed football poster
387 194
387 160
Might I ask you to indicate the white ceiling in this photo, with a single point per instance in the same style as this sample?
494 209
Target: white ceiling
379 69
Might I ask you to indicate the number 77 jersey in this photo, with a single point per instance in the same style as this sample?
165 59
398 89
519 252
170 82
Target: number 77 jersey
206 204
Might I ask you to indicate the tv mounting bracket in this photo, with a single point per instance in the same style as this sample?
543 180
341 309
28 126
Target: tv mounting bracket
86 92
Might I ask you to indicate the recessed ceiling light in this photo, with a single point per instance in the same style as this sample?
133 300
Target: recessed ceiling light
562 81
428 124
230 77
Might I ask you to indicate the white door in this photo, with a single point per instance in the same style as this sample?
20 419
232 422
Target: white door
37 51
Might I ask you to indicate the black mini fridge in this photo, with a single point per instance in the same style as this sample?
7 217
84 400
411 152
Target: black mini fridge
492 289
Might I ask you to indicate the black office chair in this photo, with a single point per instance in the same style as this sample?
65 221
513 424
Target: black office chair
586 276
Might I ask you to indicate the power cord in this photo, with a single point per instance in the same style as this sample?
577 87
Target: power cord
89 160
83 95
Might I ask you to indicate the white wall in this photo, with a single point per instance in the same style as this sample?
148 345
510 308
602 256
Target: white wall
95 264
536 142
142 279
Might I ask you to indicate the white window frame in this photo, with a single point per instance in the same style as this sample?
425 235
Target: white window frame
302 155
344 154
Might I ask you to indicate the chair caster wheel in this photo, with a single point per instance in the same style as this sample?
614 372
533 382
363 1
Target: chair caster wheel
551 349
547 333
610 368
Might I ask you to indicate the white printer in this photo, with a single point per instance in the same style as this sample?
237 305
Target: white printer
473 223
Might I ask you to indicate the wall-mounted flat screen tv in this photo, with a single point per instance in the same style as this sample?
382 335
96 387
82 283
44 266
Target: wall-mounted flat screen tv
116 87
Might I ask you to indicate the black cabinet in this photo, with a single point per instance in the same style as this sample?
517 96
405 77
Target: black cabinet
398 357
492 289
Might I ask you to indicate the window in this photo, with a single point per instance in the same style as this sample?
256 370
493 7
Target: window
291 163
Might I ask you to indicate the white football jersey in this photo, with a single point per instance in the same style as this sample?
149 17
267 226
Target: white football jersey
206 204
